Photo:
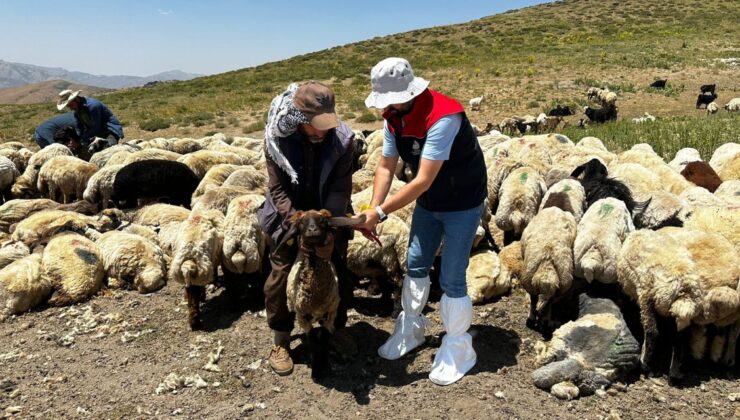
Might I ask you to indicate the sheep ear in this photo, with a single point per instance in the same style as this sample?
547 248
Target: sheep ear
578 171
346 221
296 217
324 212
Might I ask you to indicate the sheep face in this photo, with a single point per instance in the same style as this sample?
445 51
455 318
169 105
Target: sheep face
312 226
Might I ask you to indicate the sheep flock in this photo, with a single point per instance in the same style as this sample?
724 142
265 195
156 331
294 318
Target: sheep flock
562 218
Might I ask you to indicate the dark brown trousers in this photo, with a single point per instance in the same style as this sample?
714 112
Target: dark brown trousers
276 299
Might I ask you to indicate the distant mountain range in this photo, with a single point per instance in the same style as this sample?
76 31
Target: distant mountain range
18 74
43 92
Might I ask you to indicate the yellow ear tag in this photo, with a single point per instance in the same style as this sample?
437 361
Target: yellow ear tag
290 242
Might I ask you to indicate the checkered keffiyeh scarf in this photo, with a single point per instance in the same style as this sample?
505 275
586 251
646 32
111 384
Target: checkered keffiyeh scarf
283 120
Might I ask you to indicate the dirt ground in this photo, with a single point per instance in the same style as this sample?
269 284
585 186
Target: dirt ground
107 357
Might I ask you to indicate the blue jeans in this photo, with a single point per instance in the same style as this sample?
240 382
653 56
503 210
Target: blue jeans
428 228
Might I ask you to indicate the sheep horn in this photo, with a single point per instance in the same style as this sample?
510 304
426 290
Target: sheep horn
347 221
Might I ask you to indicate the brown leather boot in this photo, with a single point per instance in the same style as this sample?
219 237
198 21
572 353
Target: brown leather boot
280 360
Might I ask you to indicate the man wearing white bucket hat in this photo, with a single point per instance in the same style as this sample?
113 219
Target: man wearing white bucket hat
432 134
97 126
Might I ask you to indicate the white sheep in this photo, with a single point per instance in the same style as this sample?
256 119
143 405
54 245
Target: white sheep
712 108
64 178
547 249
149 154
100 159
12 251
476 102
159 214
14 211
733 105
131 261
659 273
723 221
728 192
21 286
215 176
519 198
244 242
601 232
385 261
645 118
202 160
41 226
25 185
100 186
8 174
567 195
196 255
248 177
684 157
726 161
73 265
484 278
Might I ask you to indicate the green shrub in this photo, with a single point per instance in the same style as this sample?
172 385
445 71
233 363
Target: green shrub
367 117
251 128
154 124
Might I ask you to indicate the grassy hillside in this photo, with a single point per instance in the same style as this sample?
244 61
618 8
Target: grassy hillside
526 59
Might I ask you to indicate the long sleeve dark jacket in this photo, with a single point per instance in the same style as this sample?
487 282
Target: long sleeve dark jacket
283 198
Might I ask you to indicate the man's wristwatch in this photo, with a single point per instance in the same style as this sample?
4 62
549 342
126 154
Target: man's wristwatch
381 214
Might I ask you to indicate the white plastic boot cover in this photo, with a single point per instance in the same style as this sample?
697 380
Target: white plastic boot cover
456 355
409 330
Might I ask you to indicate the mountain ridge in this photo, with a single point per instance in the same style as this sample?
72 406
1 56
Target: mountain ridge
18 74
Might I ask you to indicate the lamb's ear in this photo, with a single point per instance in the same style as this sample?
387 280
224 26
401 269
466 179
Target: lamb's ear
578 171
296 217
346 221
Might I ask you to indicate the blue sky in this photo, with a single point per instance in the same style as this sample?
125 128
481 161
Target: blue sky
137 37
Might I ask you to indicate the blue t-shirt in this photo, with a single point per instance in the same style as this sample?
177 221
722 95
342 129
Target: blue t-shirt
439 139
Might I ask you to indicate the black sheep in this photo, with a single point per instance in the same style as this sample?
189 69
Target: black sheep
708 88
593 177
560 111
659 84
705 99
166 180
601 115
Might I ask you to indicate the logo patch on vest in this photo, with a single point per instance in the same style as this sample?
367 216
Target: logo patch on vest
415 148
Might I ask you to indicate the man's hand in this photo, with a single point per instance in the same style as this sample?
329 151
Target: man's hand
371 219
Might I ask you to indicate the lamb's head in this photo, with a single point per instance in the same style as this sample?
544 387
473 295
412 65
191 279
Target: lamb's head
312 226
593 169
109 219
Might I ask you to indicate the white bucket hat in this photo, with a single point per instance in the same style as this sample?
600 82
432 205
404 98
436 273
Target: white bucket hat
65 97
393 83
